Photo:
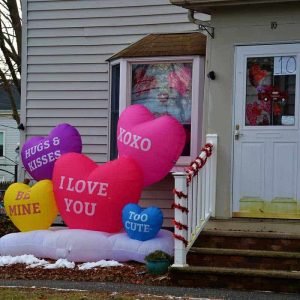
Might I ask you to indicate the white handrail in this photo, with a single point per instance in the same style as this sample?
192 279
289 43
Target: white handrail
195 198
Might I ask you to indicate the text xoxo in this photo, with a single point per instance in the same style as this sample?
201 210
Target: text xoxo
133 140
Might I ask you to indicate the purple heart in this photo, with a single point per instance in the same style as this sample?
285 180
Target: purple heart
40 153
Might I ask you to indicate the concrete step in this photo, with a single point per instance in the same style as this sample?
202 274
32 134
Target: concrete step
249 240
237 258
236 278
282 226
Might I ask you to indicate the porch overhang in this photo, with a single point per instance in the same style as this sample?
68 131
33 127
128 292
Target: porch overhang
207 6
165 44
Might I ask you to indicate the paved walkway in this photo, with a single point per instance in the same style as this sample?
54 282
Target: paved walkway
152 290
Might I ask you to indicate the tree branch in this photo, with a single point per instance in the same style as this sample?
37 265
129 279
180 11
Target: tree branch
11 69
7 39
16 22
14 56
10 46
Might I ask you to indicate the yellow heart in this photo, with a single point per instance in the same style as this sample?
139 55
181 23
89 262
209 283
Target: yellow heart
31 208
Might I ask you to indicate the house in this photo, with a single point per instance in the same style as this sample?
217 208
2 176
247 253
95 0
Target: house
9 138
82 61
253 54
252 103
66 76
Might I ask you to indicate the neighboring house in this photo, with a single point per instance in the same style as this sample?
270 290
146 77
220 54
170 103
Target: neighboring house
251 101
9 138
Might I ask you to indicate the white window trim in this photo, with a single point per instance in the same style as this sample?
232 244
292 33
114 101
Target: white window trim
242 53
198 63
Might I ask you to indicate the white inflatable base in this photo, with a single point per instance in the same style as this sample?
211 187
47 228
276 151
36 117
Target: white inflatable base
79 245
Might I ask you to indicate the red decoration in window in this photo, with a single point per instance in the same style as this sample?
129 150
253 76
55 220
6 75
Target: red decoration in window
180 80
271 101
142 82
253 110
256 74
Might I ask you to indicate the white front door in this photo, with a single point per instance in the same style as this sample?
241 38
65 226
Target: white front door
266 160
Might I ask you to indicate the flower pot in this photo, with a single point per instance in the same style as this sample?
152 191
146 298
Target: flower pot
158 267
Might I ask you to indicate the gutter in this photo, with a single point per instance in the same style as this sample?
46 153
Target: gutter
203 25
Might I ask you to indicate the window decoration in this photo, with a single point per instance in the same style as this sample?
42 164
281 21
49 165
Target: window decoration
270 92
165 88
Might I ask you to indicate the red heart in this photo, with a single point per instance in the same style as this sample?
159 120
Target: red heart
91 196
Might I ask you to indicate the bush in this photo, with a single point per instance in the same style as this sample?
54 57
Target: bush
6 225
5 184
158 255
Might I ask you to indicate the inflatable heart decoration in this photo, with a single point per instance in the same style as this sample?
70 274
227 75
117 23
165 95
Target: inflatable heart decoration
91 196
40 153
155 143
31 208
142 224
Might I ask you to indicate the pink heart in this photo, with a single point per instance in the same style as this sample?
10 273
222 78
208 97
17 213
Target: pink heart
92 197
155 143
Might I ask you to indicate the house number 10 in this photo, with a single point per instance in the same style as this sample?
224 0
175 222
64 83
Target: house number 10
285 65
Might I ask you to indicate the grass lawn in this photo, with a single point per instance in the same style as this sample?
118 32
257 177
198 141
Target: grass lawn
39 294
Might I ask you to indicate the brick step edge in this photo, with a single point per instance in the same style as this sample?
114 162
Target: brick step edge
252 234
237 272
243 252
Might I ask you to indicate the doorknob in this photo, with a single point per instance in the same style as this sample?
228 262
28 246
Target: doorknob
237 133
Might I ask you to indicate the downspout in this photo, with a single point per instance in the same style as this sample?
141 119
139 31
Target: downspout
203 25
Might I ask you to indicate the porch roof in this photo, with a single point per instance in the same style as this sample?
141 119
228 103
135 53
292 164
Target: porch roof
165 44
207 6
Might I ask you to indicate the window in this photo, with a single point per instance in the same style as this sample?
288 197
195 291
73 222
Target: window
1 144
171 86
165 88
270 91
114 115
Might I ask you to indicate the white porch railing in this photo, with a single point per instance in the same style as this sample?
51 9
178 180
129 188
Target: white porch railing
195 196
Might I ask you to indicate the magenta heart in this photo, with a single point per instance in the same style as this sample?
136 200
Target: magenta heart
40 153
92 197
155 143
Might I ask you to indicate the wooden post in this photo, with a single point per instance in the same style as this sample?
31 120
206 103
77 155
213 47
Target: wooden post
181 217
213 139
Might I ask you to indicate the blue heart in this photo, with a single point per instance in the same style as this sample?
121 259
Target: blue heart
141 224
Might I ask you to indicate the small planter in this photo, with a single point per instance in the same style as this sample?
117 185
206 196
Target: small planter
158 262
157 267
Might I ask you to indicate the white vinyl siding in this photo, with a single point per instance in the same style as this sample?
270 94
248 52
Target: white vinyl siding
67 45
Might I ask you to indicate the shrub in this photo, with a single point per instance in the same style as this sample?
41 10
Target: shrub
5 184
6 225
158 255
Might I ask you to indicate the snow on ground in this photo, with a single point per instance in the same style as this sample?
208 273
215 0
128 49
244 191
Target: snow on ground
33 262
100 263
29 260
61 263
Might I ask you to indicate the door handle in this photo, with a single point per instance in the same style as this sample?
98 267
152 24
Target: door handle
237 133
